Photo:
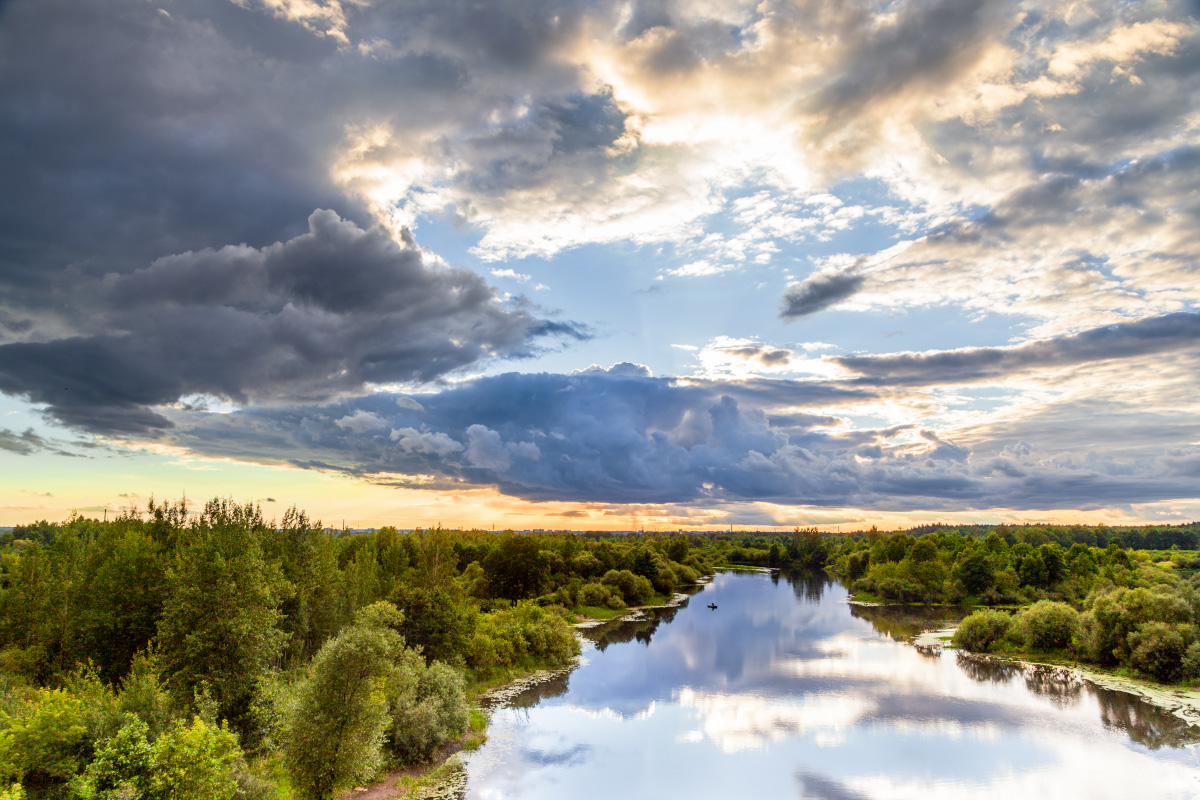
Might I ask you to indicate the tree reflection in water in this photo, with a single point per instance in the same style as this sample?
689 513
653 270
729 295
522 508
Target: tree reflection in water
1143 722
809 585
554 686
641 628
902 623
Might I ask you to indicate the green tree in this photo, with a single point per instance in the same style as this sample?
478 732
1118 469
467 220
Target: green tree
975 571
44 745
429 710
219 630
120 597
516 568
336 728
437 620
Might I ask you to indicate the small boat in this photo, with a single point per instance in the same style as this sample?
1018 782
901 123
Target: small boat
712 605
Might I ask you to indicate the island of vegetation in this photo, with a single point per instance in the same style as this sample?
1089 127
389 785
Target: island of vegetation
164 655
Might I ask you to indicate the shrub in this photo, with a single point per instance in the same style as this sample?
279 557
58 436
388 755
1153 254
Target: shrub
126 758
981 630
45 744
522 632
1158 649
597 594
1190 668
430 711
142 693
636 590
1046 625
195 763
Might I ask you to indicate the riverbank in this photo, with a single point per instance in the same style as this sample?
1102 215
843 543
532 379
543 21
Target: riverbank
1182 703
445 775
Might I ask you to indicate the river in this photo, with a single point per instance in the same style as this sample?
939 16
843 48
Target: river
787 691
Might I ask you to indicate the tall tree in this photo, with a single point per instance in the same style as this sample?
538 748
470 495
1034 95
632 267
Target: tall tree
219 630
337 726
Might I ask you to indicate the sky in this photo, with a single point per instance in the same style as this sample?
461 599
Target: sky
602 265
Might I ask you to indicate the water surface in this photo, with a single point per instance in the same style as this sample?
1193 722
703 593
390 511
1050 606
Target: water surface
787 691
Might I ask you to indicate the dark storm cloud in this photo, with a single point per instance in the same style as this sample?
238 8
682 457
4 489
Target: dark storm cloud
622 436
308 319
818 292
1167 333
21 443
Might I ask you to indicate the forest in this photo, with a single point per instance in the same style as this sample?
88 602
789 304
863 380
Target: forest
169 655
221 655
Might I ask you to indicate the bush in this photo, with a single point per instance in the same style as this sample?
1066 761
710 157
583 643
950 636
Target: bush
981 630
636 590
195 763
1190 668
597 594
525 632
1158 649
143 694
44 746
430 711
1045 625
126 758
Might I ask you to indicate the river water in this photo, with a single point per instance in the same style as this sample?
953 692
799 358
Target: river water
787 691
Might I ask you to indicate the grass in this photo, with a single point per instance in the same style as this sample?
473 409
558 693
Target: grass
449 773
599 612
476 730
272 767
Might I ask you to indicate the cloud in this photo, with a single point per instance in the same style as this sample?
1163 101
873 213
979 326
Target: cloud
619 436
509 273
1126 340
411 440
362 421
819 292
409 403
325 313
21 443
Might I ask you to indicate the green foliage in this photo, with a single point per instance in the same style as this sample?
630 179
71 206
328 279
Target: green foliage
979 631
437 620
125 759
335 731
1158 649
219 627
635 590
44 745
516 567
523 634
975 571
428 712
601 595
143 695
1046 625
